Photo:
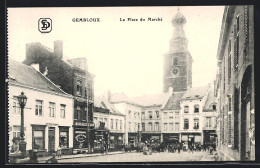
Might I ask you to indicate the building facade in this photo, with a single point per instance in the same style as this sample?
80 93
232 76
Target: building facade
48 114
73 77
236 104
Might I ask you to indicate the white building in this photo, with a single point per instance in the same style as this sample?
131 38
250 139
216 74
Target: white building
191 114
48 114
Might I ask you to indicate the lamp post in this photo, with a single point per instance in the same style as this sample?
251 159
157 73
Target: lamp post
22 99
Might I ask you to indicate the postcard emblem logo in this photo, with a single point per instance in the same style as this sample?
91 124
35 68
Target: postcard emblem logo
45 25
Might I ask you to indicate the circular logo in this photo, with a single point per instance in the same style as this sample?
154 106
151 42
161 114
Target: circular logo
175 71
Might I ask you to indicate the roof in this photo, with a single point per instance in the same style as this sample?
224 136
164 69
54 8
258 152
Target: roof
210 100
20 73
119 97
100 101
173 102
195 93
151 100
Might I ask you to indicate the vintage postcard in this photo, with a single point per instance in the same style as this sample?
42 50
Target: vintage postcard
131 84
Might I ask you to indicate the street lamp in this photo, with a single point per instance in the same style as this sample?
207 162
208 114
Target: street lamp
22 99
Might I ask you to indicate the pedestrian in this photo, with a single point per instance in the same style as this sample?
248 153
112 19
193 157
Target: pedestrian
53 159
179 147
33 156
59 151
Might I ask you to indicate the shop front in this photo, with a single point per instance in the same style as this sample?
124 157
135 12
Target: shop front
191 138
101 142
210 137
171 138
115 141
83 139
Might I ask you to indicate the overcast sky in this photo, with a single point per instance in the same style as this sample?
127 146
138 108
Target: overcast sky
124 56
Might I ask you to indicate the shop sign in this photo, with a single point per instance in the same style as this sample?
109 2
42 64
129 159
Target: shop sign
155 137
80 138
84 124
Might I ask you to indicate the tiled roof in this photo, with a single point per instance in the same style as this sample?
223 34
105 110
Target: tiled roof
150 100
174 101
20 73
100 101
195 93
210 100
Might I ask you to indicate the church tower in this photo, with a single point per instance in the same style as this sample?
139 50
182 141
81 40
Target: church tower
178 61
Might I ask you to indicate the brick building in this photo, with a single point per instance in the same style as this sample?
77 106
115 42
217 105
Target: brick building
73 77
236 104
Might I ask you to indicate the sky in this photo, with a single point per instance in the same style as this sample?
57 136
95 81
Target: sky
124 56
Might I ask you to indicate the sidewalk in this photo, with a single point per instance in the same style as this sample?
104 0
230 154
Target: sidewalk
208 157
43 159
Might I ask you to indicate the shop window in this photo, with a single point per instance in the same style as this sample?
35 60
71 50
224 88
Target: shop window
196 108
186 123
63 139
79 87
38 139
62 111
186 109
143 126
38 108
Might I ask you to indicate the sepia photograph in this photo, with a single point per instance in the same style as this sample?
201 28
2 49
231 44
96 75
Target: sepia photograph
142 84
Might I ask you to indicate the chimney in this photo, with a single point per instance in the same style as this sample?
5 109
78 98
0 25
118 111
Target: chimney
58 49
36 67
170 90
109 96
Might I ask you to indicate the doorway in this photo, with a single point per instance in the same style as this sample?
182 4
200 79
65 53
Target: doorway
51 140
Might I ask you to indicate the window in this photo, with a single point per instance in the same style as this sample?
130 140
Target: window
51 109
120 125
170 126
135 115
112 124
116 124
236 42
150 114
177 115
38 139
177 127
208 121
165 126
38 108
229 129
138 127
62 111
16 106
143 115
64 139
186 123
129 114
229 61
186 109
135 127
79 87
224 74
90 95
170 115
156 126
78 113
157 114
16 131
143 126
175 61
150 126
165 115
229 104
214 107
196 123
196 108
129 127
